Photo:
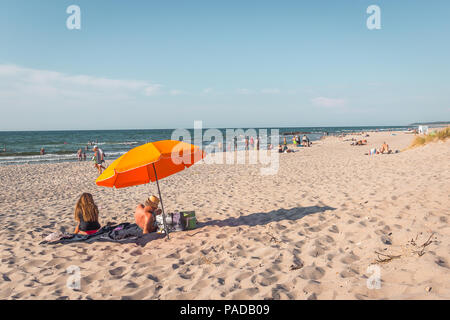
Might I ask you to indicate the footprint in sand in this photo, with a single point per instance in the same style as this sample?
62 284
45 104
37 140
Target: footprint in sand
312 273
267 281
317 251
313 287
243 276
116 271
137 252
191 250
327 239
245 294
186 276
349 273
152 277
441 262
334 229
350 258
299 244
174 255
131 285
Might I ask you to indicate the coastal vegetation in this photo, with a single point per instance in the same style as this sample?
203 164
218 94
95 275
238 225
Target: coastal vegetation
435 135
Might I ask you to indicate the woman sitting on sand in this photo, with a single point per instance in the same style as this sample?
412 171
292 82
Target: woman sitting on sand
145 216
86 214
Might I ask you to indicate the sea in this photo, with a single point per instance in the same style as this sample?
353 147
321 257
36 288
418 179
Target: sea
18 147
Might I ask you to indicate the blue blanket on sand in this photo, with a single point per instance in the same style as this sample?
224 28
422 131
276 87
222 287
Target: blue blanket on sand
123 233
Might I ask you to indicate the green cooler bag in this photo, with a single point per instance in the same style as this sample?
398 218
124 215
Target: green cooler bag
188 220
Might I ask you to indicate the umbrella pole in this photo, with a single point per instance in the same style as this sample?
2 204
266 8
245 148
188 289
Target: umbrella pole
162 206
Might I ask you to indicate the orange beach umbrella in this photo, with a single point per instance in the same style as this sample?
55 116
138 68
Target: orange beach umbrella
150 162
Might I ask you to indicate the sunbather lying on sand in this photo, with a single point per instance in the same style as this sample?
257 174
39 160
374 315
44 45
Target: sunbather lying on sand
145 216
359 143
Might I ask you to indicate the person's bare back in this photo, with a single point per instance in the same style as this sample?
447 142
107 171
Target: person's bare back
144 218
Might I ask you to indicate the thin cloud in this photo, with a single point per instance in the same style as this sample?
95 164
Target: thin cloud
271 91
52 83
244 91
176 92
153 90
329 102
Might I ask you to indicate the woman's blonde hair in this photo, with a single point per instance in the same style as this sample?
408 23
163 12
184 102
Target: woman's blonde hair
87 208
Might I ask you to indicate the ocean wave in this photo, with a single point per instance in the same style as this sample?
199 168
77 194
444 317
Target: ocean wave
51 157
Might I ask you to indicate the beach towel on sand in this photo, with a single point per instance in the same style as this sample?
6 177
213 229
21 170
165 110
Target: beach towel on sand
123 233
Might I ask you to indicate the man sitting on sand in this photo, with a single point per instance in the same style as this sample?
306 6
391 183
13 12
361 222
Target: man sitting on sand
145 216
384 148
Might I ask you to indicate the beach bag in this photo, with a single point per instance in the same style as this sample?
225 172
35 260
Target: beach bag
160 223
173 221
188 220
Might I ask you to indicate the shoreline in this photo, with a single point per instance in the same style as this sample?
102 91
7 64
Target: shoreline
59 156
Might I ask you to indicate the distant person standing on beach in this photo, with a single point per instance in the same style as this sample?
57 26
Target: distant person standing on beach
42 151
98 159
251 142
80 154
246 143
84 155
235 143
305 141
257 143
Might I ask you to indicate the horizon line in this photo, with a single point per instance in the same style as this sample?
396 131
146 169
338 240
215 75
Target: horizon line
242 127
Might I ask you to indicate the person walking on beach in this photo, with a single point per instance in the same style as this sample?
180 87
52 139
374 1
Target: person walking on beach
79 154
235 143
246 143
257 143
251 142
98 159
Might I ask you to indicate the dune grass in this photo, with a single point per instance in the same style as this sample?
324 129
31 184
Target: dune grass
440 135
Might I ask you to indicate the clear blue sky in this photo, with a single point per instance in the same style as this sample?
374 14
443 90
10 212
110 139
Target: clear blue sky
164 64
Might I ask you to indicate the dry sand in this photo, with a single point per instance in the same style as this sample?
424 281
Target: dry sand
311 231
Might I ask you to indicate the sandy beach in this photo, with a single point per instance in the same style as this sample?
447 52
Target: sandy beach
311 231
